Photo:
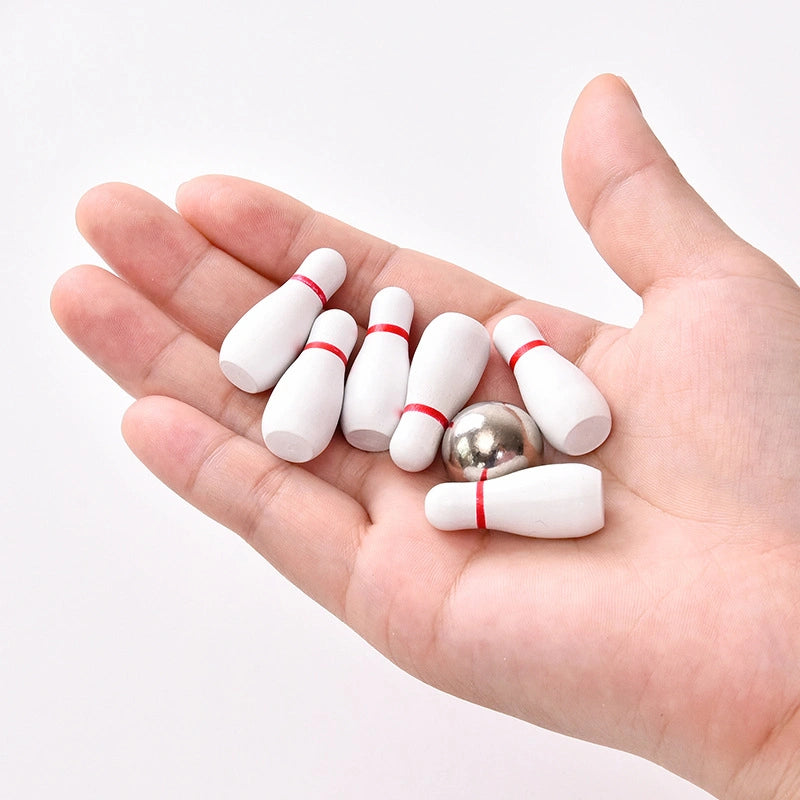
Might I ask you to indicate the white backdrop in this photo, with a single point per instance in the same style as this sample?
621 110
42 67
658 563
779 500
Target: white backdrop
144 650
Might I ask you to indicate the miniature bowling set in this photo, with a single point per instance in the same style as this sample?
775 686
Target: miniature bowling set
388 401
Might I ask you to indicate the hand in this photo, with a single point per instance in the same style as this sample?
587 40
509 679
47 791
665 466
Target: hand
674 632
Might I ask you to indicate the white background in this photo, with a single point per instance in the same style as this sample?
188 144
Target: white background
144 650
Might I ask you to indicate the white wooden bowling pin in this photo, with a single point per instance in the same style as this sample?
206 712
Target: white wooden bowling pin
303 410
445 370
553 501
262 344
375 392
568 408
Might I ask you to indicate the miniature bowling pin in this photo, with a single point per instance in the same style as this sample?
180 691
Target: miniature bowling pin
446 367
303 410
553 501
375 392
262 344
568 408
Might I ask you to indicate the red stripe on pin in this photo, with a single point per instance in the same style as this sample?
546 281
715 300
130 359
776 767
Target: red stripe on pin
480 513
524 349
431 412
331 348
311 285
388 329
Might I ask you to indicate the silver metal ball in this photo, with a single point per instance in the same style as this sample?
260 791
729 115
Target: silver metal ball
490 439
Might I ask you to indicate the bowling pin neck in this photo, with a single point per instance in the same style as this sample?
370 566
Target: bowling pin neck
525 348
311 285
421 408
387 328
331 348
516 335
323 271
392 306
333 330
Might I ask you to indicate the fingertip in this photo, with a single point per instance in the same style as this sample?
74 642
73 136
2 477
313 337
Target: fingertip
211 199
154 410
138 417
140 426
201 190
608 83
60 294
67 294
164 434
97 200
128 423
186 191
626 85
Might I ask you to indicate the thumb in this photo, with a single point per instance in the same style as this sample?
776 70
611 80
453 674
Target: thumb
645 220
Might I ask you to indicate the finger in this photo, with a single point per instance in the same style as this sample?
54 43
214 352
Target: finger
148 353
206 289
278 508
643 217
152 247
144 350
268 234
272 233
191 279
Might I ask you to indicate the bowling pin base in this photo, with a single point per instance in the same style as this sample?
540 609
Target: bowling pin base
368 440
290 447
586 436
239 377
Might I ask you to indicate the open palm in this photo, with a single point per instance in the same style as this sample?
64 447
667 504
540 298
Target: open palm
675 631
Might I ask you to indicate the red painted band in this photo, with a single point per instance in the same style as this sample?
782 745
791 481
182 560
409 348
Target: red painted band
331 348
388 329
431 412
311 285
512 362
480 514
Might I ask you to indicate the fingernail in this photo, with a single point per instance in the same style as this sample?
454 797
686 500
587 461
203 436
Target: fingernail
179 190
627 86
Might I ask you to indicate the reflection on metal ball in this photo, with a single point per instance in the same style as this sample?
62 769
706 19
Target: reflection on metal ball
490 439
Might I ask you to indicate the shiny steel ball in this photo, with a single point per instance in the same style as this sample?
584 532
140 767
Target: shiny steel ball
490 439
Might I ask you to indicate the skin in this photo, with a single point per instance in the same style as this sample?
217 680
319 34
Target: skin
673 633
